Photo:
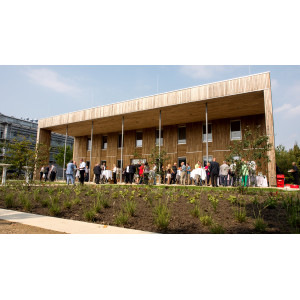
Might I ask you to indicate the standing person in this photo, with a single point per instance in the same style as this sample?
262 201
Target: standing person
295 172
87 172
154 169
53 173
46 172
114 172
141 173
232 173
224 168
132 170
183 174
82 171
174 173
197 164
168 174
127 174
252 171
97 172
41 173
214 170
245 173
188 173
146 173
70 172
207 170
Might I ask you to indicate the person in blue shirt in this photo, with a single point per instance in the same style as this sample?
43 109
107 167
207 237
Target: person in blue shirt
70 172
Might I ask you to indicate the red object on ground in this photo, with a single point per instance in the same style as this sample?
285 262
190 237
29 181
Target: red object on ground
294 186
280 181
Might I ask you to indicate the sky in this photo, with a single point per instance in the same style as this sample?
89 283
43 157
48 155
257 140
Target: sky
45 91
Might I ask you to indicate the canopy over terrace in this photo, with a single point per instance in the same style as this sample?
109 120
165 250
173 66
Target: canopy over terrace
237 97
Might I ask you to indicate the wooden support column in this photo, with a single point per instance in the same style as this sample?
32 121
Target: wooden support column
122 141
270 134
43 138
159 145
92 131
206 131
65 153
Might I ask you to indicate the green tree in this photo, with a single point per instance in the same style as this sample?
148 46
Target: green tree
253 146
59 157
156 157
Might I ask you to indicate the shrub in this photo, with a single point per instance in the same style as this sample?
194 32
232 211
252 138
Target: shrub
121 218
214 201
54 209
259 224
130 207
105 202
232 199
36 195
216 229
67 204
76 201
97 206
162 216
195 212
90 215
45 203
115 195
272 200
206 220
240 214
9 200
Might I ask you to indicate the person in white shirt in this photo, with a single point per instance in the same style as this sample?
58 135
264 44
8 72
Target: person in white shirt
252 169
224 173
114 174
82 171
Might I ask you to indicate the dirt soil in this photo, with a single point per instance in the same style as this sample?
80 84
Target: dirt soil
7 227
76 203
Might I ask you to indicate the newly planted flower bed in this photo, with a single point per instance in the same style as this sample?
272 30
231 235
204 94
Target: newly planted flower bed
163 209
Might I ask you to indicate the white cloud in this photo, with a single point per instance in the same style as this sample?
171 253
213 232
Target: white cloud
274 83
52 80
288 110
282 108
201 72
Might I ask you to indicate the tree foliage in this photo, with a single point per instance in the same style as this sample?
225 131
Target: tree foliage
253 146
284 159
59 157
156 157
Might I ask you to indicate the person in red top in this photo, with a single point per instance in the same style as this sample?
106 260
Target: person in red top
141 173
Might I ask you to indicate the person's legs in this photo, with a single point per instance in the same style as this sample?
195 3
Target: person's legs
81 178
207 179
68 179
72 179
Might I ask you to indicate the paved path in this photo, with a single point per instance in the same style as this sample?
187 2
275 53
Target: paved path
63 225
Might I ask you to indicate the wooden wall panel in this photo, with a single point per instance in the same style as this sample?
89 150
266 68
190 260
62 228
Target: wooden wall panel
194 137
220 134
148 141
129 142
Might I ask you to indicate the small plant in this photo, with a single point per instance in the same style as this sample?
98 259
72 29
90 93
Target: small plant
214 201
232 199
45 203
115 195
216 229
195 212
206 220
9 200
54 209
76 201
240 214
130 207
259 224
121 218
67 204
192 200
90 215
36 195
162 216
97 206
105 202
272 200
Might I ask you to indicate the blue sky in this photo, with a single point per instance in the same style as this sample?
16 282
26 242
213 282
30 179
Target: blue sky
44 91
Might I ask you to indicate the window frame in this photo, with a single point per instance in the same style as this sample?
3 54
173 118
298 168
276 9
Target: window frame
136 145
181 143
203 134
161 138
120 145
102 146
235 139
89 144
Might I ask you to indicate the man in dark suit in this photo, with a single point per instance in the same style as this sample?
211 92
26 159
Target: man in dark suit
214 171
132 170
97 172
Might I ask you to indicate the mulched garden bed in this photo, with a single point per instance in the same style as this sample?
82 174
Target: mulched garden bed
162 209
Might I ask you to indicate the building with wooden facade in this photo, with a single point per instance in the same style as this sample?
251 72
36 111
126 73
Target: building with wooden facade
179 118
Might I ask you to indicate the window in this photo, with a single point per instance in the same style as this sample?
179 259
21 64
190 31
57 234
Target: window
235 130
210 158
103 161
119 163
120 140
135 161
104 142
139 139
157 137
182 135
209 133
180 160
89 144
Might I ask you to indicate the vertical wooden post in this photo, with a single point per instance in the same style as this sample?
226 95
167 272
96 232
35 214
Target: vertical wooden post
159 145
206 125
270 134
122 139
65 153
92 131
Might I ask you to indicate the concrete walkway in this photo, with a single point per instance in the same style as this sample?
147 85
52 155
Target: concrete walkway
63 225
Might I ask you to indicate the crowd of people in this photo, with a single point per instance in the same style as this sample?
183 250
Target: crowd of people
212 173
